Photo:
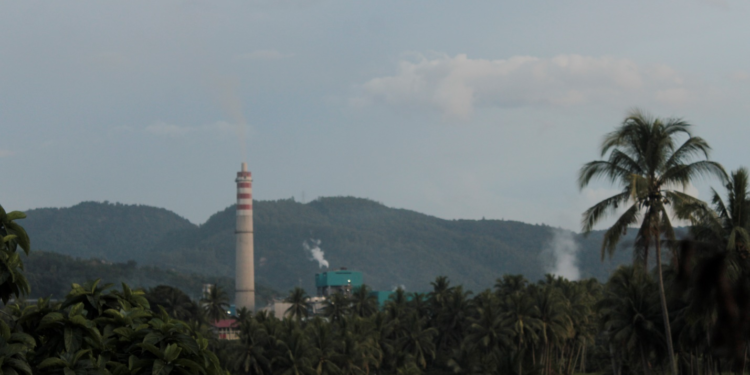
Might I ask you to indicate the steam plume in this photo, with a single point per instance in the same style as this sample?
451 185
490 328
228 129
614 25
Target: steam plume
312 248
226 90
559 255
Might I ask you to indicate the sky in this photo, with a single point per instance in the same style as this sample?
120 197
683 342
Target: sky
461 110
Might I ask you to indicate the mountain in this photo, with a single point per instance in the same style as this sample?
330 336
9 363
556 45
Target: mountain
116 232
390 246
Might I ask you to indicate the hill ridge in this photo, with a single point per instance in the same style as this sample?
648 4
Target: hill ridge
391 246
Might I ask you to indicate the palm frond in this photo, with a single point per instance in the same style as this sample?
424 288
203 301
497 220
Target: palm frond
694 146
683 174
602 169
618 229
625 161
719 206
601 209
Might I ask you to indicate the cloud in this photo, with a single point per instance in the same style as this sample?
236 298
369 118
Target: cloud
264 54
6 153
164 129
455 86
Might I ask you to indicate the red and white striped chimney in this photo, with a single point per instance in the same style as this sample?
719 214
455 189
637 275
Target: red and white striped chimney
245 273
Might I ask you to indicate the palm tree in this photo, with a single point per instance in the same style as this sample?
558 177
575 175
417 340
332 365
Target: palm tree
336 307
648 164
521 316
215 303
324 347
510 284
363 303
554 319
440 290
175 302
300 307
295 355
488 334
452 319
416 339
728 223
250 354
629 313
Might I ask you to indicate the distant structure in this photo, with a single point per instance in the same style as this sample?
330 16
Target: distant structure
338 281
244 294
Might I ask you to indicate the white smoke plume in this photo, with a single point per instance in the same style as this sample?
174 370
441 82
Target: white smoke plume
312 248
560 255
226 90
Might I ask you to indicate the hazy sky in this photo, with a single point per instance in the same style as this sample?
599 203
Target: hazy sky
454 109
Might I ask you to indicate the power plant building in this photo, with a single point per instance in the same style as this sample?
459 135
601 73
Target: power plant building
338 281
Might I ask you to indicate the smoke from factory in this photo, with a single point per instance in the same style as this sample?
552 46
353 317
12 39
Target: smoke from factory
560 255
313 251
226 90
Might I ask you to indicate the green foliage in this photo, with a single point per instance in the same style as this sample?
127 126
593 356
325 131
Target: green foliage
215 303
99 331
13 283
388 245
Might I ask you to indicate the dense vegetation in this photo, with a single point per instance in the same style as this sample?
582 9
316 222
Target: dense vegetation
388 245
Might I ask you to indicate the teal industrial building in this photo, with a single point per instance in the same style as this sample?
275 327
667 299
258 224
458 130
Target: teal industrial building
344 281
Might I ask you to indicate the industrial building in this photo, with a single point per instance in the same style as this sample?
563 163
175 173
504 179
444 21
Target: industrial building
338 281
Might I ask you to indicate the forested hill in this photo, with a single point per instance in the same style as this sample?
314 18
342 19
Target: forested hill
390 246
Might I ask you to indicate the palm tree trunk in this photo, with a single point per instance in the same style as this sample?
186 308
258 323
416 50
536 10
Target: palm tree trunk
664 311
574 356
583 357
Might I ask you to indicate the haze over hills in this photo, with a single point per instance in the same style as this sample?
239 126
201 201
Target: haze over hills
392 247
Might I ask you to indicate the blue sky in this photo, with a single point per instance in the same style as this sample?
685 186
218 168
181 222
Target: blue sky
454 109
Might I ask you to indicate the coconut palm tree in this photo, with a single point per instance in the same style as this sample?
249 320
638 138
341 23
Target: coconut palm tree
554 320
337 306
363 303
300 307
510 284
489 335
417 339
175 302
522 317
250 355
440 290
630 313
324 347
452 319
728 223
215 303
647 162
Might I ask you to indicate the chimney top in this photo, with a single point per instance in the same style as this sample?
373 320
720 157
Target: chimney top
244 166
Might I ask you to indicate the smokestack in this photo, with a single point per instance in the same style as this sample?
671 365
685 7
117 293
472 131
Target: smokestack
244 294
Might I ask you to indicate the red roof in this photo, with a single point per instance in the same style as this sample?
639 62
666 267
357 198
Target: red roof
225 323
